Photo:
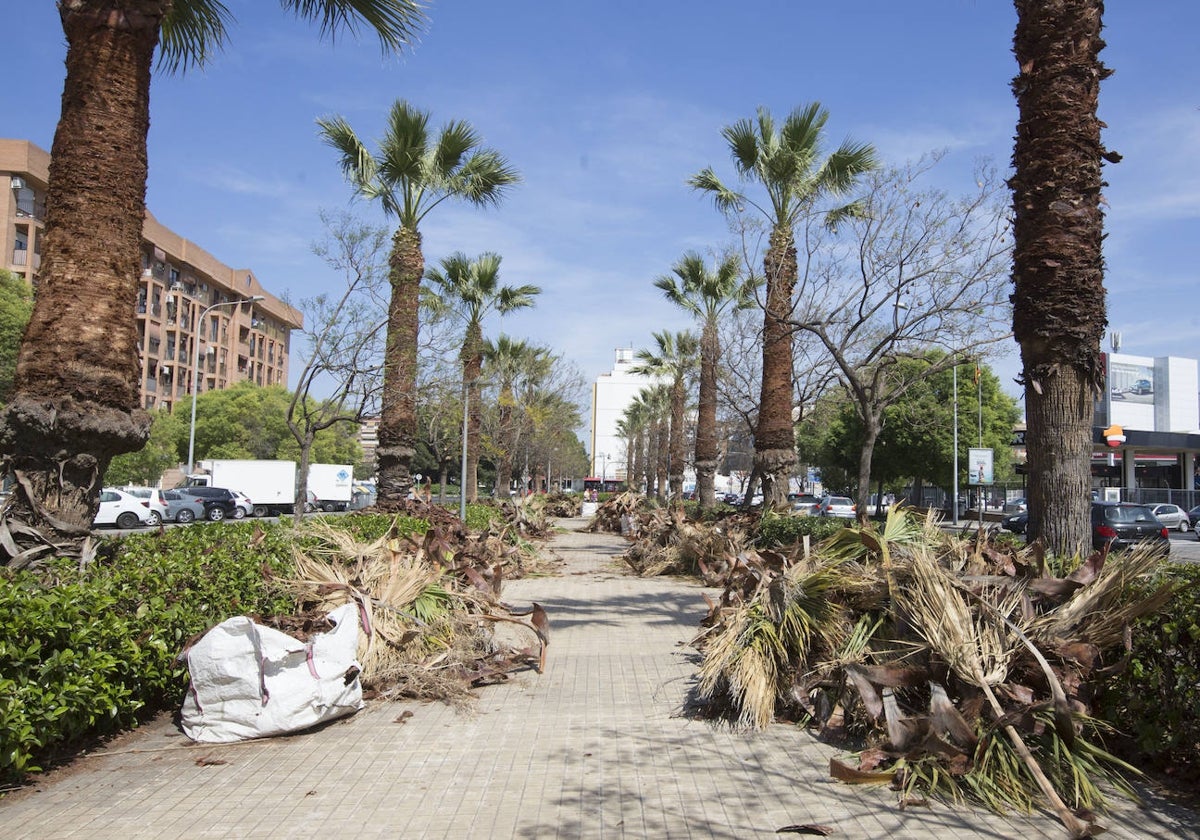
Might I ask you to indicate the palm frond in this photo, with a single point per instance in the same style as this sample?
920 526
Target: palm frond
396 23
191 34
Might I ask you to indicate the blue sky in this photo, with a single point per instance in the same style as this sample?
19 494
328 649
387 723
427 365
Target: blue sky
607 107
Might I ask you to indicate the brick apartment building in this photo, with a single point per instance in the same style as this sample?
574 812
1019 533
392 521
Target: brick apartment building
186 296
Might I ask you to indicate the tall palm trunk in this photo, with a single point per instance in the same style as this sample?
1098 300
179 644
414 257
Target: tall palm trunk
508 441
662 449
676 443
639 460
651 464
774 439
398 409
74 403
706 419
1058 301
472 361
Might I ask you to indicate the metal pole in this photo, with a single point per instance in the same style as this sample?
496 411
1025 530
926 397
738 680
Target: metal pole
196 372
955 484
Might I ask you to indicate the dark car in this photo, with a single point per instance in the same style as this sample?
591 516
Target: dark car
1123 525
1015 522
218 501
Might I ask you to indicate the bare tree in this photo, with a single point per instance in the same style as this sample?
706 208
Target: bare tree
344 338
914 270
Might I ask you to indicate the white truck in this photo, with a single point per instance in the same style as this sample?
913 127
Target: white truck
330 486
271 485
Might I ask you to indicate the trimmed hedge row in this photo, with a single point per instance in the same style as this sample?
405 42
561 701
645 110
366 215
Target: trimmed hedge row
86 653
776 530
1156 700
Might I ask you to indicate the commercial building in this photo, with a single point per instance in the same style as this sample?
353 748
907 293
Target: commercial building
190 307
612 393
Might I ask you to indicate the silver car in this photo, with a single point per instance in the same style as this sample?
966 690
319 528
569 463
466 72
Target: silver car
1173 516
182 509
837 506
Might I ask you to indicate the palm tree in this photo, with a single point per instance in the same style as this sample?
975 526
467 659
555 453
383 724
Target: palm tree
786 160
507 362
471 289
632 427
412 172
75 400
707 295
675 359
1058 269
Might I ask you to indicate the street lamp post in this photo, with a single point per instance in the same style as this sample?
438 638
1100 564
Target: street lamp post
196 372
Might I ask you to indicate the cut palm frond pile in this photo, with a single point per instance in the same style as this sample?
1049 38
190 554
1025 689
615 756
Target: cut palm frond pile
964 669
529 516
669 543
622 514
428 605
563 505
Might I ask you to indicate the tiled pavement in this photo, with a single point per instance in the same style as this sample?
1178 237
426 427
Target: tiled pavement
594 748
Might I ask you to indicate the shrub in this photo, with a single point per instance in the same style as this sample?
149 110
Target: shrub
84 652
787 530
1156 700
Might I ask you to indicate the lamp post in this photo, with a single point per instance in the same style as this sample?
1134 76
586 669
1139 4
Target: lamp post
196 371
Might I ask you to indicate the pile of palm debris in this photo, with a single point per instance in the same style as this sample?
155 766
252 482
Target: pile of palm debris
963 668
563 505
624 513
429 607
669 543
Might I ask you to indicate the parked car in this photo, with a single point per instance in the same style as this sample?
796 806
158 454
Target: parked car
1173 516
1122 525
1016 506
219 502
803 502
732 499
183 509
838 506
1015 522
152 499
121 509
245 507
1194 518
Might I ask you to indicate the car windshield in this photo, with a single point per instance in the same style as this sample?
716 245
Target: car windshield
840 501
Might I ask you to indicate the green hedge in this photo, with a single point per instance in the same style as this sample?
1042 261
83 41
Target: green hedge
85 653
1156 700
777 529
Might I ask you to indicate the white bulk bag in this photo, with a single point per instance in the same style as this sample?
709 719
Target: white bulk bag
250 681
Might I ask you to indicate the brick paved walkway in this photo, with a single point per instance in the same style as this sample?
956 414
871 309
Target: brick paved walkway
593 748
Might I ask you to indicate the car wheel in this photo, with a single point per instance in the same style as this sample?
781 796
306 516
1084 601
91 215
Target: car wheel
1183 526
128 520
239 513
154 519
215 514
260 510
329 507
185 517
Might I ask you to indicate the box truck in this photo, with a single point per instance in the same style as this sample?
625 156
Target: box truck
271 485
330 486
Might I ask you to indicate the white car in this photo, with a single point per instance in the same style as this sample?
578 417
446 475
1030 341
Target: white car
121 509
837 506
152 499
245 507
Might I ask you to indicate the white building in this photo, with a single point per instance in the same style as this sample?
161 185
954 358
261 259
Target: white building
612 393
